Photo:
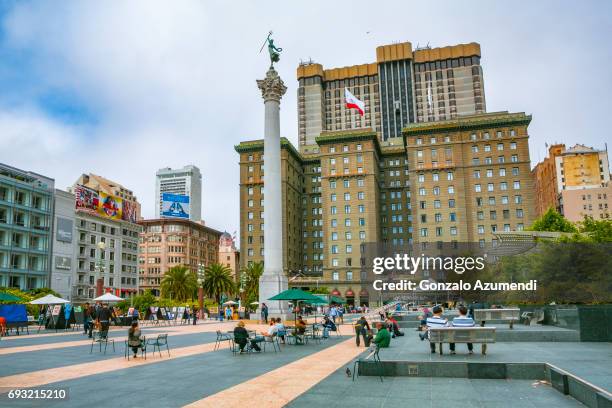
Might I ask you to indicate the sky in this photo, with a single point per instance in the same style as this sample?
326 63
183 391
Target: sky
122 89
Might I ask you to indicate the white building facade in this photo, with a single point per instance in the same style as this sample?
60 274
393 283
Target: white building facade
183 182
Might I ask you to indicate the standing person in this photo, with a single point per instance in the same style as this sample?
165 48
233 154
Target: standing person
228 313
104 316
185 318
194 315
463 321
93 316
333 312
340 313
362 327
264 313
134 340
86 318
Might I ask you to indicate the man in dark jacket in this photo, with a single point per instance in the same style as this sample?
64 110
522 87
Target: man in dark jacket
362 328
104 316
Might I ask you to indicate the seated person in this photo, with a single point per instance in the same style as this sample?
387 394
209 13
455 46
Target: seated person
241 337
394 327
383 338
280 329
272 329
300 329
463 321
434 321
134 340
327 326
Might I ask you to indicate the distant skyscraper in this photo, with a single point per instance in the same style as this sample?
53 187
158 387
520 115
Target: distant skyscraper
183 182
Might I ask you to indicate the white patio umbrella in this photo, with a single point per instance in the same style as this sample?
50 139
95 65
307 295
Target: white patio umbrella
230 302
49 300
108 297
254 303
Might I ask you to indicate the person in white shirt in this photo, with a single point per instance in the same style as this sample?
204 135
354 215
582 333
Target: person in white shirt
437 320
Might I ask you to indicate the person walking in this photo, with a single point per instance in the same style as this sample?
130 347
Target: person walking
264 313
362 328
194 315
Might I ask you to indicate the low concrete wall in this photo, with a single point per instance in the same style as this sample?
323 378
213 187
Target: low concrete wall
563 381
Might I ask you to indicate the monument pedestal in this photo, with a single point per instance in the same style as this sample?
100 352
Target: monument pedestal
271 285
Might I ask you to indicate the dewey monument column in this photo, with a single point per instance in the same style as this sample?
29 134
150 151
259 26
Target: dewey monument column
273 279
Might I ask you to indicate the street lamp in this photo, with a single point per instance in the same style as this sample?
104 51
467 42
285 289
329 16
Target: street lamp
100 268
201 276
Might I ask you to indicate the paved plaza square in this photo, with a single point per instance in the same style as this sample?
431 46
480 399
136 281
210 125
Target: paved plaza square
197 375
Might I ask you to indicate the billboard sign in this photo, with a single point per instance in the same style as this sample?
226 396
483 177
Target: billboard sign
104 205
175 206
110 206
64 230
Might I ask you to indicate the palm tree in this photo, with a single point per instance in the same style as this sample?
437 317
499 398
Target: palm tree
179 282
217 281
250 279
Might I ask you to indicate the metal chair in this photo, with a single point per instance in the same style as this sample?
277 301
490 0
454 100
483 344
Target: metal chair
221 337
101 337
142 347
161 340
271 340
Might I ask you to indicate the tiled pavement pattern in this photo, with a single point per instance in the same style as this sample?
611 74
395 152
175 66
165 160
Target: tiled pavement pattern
299 375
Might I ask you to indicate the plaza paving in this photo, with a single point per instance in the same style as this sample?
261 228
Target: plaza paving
195 375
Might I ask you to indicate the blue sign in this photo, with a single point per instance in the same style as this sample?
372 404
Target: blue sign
175 206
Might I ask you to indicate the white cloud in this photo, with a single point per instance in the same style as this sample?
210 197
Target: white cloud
173 83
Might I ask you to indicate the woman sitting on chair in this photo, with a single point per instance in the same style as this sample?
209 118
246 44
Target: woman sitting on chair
134 340
241 337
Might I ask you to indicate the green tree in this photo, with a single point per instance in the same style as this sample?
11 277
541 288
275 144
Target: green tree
179 283
250 278
552 221
596 230
217 281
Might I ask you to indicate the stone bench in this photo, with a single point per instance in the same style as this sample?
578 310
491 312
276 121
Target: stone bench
478 335
504 315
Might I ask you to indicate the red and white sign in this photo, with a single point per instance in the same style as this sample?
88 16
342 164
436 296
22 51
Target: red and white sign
353 103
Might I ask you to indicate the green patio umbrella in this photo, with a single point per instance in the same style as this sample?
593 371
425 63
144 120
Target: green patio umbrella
8 297
337 299
295 295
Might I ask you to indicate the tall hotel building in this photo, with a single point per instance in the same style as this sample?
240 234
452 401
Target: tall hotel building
402 87
26 218
455 180
186 182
